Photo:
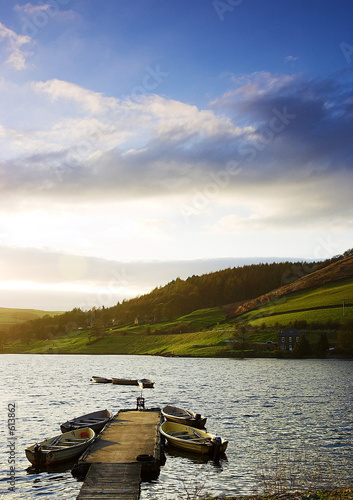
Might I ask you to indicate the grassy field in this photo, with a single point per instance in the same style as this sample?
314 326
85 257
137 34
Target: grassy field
205 332
10 316
282 310
120 342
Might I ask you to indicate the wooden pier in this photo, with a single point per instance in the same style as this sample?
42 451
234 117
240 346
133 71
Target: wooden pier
127 450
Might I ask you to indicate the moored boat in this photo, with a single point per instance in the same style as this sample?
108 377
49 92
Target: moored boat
145 382
180 416
60 448
101 380
193 440
96 421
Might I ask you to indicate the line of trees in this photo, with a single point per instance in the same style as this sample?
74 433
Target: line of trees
177 298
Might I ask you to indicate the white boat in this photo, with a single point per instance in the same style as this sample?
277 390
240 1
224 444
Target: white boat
60 448
193 440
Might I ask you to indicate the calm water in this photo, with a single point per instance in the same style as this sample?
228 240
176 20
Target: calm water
299 410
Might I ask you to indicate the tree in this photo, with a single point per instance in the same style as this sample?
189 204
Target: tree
322 346
302 348
242 332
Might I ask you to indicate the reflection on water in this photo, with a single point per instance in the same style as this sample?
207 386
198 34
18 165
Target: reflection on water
269 410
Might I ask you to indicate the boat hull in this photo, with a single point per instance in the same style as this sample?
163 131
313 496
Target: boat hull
191 439
61 448
101 380
96 421
146 383
180 416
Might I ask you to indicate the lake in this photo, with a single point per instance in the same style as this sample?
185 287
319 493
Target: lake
293 416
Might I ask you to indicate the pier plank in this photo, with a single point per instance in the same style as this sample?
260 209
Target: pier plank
112 481
114 468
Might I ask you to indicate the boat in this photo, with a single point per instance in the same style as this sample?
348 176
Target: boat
191 439
101 380
180 416
143 382
60 448
96 421
146 383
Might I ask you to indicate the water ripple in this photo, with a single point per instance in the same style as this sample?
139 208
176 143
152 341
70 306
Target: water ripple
266 409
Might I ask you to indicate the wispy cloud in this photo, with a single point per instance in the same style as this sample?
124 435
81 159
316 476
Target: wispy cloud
46 10
16 56
287 137
275 127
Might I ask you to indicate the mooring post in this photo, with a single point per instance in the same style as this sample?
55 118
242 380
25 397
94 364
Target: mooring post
140 403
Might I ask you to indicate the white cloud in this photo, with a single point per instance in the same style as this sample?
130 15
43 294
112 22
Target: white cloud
92 102
17 57
88 148
31 9
40 14
291 58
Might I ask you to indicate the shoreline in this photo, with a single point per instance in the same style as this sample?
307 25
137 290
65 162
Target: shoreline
326 494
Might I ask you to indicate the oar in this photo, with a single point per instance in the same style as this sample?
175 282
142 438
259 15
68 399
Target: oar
199 435
55 440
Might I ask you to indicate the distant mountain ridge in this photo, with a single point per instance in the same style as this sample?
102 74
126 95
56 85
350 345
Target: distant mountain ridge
336 271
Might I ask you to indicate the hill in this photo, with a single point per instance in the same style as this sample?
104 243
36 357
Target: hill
328 304
334 272
10 316
170 316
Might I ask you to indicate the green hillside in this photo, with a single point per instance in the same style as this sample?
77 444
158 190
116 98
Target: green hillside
321 301
330 302
163 338
11 316
205 332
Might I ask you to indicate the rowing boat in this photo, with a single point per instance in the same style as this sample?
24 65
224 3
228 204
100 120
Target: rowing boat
101 380
145 382
60 448
96 421
193 440
186 417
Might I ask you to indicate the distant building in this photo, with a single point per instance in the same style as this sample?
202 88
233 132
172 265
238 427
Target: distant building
143 320
288 338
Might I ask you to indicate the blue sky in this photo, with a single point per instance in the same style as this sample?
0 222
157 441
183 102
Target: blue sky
161 136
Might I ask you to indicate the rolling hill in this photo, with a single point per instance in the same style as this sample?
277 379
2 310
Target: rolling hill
11 316
333 273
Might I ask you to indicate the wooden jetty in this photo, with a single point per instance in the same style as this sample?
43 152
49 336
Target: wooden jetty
126 451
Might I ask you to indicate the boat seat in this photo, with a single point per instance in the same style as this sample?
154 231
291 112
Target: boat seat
89 422
74 440
178 433
55 447
63 444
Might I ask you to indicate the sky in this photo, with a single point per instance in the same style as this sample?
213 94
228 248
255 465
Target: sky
146 140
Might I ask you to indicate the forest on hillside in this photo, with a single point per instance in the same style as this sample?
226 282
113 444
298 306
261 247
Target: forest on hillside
179 297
